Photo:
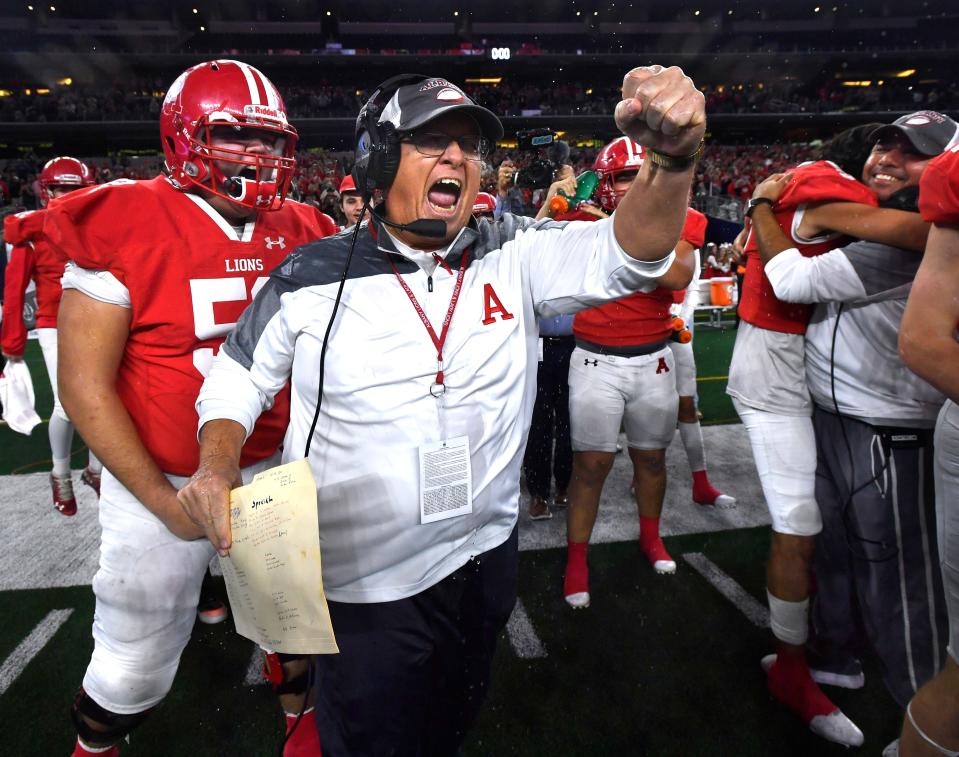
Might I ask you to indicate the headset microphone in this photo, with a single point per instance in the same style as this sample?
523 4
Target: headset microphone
423 227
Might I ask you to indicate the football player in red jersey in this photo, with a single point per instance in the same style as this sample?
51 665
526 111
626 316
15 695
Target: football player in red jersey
929 346
160 271
32 258
767 382
622 370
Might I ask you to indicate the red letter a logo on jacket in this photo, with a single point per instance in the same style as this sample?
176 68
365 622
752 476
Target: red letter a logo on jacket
493 305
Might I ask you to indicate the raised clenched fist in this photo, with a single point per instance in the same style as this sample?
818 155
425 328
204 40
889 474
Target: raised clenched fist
662 110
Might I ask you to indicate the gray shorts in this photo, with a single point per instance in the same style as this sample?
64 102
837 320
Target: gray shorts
947 513
609 391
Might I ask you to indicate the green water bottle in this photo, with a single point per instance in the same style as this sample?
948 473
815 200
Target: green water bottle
585 185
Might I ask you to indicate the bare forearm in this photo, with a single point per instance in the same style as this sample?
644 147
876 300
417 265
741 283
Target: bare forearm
105 425
936 359
221 438
769 235
650 218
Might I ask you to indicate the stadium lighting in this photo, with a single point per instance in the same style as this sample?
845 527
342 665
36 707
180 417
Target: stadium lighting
729 12
202 28
816 9
29 8
595 13
53 8
695 13
329 13
905 73
66 82
456 13
485 80
5 93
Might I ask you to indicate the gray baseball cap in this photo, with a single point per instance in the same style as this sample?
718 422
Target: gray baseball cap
928 131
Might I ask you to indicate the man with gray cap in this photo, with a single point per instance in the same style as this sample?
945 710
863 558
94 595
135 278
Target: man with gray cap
429 379
873 419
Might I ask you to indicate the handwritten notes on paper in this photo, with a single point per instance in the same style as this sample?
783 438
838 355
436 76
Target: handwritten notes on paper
273 574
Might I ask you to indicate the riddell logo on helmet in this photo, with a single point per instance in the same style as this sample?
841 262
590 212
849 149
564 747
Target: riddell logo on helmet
264 111
433 84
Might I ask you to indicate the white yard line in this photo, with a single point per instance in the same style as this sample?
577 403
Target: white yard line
522 635
755 612
30 647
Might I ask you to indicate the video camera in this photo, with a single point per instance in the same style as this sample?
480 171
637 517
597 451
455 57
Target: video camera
553 153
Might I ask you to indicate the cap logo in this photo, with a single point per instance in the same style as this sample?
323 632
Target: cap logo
917 121
433 84
450 95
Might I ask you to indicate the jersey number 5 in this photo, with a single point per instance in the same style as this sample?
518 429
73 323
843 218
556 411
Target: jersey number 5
205 293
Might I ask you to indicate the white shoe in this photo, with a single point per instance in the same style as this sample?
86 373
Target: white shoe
826 677
892 749
664 567
724 502
578 601
837 728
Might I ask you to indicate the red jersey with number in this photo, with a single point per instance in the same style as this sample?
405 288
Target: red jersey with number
694 232
30 258
640 318
189 275
819 181
939 188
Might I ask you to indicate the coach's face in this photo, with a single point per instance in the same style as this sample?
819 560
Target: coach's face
438 178
892 165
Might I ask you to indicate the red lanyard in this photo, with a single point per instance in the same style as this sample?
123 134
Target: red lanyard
438 386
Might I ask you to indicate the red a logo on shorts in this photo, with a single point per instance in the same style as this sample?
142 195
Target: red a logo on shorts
493 305
662 367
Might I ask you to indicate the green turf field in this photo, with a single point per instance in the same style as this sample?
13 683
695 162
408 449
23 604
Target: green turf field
658 665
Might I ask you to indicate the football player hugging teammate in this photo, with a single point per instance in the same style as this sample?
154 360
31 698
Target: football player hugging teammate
160 271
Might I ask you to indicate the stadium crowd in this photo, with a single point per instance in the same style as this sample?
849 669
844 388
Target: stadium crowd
141 100
833 241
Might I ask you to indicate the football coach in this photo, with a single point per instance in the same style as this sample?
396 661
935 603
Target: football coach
412 389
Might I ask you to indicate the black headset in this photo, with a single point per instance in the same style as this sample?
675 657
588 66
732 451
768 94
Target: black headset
377 144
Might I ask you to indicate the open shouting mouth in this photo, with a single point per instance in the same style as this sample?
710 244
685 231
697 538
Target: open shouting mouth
444 195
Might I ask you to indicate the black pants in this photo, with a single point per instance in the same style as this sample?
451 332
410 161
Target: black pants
412 674
877 574
550 422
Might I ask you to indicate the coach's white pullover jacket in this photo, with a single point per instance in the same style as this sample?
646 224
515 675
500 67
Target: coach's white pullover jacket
377 409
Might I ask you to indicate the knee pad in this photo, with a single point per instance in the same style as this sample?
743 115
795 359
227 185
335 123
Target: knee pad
117 726
274 673
797 518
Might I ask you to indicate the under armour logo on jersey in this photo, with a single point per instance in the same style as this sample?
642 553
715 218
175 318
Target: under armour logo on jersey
264 200
271 243
587 361
662 367
492 305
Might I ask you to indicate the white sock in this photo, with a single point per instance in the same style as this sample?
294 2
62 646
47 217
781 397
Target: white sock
61 437
94 464
93 749
789 620
692 436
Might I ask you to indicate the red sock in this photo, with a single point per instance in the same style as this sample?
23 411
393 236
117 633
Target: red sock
82 750
790 681
649 540
704 493
305 741
576 579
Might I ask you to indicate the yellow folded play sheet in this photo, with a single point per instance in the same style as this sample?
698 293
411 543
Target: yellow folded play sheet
273 574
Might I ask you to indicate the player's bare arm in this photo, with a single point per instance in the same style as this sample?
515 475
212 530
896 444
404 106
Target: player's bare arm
681 271
565 182
927 339
663 111
206 497
770 237
896 228
88 328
